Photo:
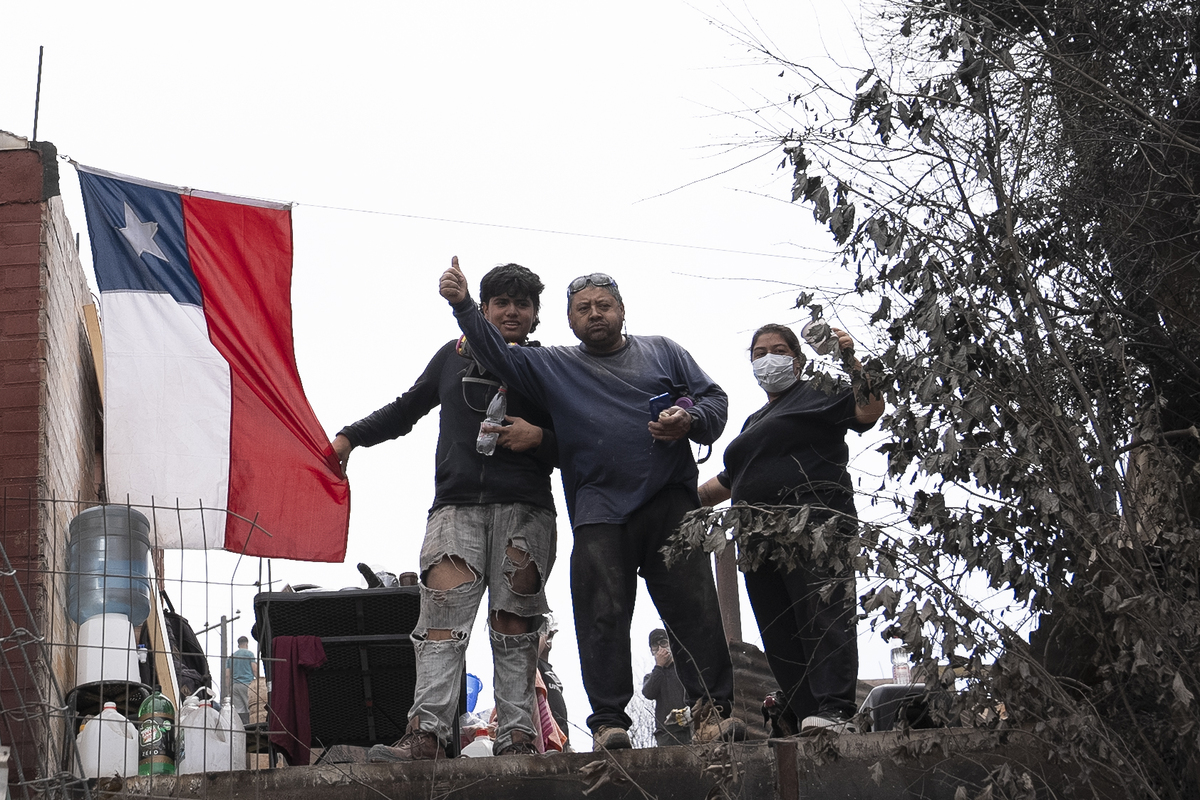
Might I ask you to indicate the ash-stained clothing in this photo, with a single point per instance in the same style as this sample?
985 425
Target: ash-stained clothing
480 536
793 451
626 492
611 466
462 475
482 506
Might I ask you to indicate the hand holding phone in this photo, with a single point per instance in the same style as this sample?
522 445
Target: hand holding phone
659 404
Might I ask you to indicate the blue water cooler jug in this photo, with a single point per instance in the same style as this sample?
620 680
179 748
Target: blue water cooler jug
108 590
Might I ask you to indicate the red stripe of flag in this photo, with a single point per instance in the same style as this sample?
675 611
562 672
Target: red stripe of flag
283 470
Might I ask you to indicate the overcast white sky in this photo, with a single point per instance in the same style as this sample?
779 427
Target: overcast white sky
407 133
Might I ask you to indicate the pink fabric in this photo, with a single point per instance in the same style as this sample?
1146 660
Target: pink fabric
287 710
551 736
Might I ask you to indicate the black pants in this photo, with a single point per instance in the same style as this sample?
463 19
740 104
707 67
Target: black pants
811 644
605 564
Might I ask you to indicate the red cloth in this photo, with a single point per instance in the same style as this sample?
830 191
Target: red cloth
287 709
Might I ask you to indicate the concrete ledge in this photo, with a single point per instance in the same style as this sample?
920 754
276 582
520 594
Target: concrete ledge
925 764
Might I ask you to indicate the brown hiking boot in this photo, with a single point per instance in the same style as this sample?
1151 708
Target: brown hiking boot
610 738
709 726
414 745
521 745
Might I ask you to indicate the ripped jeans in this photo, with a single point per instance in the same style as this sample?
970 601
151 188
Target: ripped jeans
496 541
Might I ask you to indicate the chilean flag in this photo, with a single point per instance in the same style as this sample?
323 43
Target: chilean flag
204 412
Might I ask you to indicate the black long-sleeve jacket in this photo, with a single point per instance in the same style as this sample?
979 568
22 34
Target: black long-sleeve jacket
463 476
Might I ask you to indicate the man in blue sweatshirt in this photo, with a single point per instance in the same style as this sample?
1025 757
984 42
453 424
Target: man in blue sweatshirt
628 481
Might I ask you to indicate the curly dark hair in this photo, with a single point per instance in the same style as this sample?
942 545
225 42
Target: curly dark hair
783 330
516 282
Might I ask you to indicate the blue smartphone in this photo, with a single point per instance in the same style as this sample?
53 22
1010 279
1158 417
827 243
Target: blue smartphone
659 404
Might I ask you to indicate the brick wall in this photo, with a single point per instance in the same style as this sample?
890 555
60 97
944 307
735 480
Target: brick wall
49 423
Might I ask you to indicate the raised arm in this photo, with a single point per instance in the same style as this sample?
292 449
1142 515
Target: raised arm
488 347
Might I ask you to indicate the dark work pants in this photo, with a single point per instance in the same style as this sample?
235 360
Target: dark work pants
605 564
811 644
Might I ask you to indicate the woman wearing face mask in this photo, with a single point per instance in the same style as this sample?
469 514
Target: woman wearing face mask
792 452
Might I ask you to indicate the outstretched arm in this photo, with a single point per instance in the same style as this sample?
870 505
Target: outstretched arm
867 413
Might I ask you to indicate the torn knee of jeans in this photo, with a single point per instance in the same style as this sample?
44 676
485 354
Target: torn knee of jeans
460 568
445 563
440 634
522 573
502 616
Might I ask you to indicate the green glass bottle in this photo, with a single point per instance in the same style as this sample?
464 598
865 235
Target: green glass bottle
156 735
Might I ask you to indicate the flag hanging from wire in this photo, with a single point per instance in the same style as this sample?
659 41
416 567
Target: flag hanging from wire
204 411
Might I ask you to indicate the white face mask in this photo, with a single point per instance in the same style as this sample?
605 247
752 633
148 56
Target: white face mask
774 371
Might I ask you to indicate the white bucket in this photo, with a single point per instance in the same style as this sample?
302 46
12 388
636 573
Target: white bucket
106 651
108 745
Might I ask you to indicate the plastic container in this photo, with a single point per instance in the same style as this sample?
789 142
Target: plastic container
156 735
108 564
901 670
108 745
480 747
203 746
474 686
106 651
486 442
235 733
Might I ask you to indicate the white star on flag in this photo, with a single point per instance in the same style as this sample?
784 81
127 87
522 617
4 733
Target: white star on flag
141 235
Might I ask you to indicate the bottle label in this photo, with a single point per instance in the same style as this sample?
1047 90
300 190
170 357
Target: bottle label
156 745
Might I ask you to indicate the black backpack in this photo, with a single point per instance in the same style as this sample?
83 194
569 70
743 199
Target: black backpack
191 663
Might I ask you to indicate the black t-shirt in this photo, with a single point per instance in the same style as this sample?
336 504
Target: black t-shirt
793 451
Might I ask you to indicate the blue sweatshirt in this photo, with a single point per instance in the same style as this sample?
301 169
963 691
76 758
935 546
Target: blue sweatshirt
599 403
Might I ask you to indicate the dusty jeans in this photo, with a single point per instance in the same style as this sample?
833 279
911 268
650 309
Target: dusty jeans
480 535
605 564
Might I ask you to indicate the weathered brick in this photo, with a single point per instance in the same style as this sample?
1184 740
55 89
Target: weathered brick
19 420
23 396
20 275
23 253
20 444
20 232
18 511
21 177
21 298
19 323
20 373
19 467
19 349
21 213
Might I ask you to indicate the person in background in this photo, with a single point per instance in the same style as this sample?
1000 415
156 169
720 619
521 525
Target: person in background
629 477
792 453
662 685
492 526
241 669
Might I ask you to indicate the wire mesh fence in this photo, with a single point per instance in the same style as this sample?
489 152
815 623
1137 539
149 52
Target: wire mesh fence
63 660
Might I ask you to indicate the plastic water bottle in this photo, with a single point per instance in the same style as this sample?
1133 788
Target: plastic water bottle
235 734
203 746
497 409
108 745
156 735
108 568
901 670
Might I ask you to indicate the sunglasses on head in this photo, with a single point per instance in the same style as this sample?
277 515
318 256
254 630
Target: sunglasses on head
597 279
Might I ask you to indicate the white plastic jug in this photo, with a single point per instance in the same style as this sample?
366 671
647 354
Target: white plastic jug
108 745
203 746
235 732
